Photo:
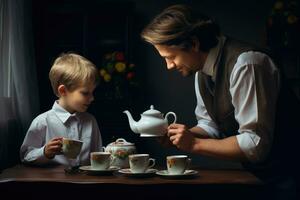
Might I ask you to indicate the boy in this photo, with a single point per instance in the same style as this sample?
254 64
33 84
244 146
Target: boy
73 79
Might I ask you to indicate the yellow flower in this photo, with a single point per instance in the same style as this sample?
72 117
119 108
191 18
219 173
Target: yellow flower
120 66
107 77
278 5
292 19
103 72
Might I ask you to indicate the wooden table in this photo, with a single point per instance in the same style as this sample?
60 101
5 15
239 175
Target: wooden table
54 183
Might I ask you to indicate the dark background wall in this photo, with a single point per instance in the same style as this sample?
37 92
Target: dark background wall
167 91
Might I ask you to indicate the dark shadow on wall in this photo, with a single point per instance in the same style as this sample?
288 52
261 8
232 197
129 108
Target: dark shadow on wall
11 136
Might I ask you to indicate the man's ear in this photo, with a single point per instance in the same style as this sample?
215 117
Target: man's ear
195 44
62 90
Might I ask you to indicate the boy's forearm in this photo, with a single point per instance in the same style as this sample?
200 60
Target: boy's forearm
35 156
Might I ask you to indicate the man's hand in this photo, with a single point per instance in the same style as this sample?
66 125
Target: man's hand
181 137
53 147
165 141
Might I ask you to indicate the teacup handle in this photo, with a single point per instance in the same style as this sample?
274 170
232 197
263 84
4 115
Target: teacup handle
102 149
171 113
188 162
153 162
112 160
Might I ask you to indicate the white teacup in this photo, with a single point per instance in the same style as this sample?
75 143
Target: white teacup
100 160
139 163
177 164
71 148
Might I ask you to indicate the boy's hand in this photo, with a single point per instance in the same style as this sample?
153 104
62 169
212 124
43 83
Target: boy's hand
53 147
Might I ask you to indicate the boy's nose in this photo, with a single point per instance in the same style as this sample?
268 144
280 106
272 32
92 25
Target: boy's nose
92 98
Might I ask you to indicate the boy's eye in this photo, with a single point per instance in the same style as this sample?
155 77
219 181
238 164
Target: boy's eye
85 93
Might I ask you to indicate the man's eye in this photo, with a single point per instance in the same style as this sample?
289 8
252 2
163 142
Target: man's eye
170 58
85 93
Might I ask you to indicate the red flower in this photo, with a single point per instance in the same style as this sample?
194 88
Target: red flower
130 75
120 56
270 21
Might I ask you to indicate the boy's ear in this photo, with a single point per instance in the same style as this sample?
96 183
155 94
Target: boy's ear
62 90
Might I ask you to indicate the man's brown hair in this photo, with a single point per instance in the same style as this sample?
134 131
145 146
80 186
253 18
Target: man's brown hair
178 25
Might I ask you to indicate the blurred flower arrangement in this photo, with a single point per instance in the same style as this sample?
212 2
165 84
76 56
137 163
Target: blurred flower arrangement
283 28
118 76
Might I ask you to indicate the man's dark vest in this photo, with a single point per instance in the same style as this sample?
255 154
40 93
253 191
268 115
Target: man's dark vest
218 102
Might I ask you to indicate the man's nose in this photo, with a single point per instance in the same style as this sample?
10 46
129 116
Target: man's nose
170 65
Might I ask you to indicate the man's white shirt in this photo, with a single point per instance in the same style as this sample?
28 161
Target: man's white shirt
243 93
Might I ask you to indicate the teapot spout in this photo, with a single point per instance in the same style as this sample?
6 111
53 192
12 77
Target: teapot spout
132 123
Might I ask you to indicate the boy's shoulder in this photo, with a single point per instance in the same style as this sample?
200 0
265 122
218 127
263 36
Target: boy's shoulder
41 119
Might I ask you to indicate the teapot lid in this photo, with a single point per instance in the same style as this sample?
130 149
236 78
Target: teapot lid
120 142
152 111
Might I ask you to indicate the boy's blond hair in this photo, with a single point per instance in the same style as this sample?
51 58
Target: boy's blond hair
72 70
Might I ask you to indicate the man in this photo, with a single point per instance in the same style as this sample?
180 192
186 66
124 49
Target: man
238 89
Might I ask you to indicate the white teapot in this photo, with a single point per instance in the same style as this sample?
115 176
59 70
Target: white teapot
120 150
151 124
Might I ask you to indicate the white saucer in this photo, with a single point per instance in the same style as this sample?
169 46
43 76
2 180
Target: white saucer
128 172
150 135
186 174
91 170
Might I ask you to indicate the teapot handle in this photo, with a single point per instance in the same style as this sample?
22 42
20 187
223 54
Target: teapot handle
171 113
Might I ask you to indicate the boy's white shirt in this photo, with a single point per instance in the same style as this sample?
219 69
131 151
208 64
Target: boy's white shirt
58 122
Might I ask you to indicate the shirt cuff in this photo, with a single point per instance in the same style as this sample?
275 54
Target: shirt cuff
211 131
248 143
37 156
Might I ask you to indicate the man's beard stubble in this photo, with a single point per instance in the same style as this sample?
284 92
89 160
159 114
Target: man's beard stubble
191 70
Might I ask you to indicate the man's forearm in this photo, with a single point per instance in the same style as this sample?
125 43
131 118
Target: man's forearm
199 132
227 148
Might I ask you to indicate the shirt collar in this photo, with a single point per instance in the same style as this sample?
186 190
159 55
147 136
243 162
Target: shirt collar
63 114
213 58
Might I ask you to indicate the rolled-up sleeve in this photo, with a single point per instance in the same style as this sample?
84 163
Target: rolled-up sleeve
254 140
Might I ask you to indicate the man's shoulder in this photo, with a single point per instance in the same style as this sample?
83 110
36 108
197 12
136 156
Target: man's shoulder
240 53
253 58
85 116
233 44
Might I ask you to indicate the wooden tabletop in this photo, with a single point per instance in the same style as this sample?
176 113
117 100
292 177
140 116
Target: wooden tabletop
27 182
21 173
